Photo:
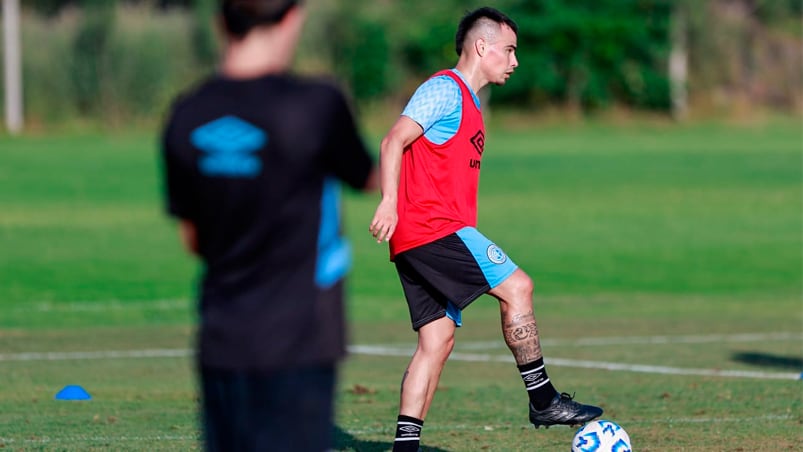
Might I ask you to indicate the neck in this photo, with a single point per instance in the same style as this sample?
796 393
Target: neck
471 72
252 57
264 50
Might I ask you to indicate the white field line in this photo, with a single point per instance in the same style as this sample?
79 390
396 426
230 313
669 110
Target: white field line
96 355
181 304
106 305
664 370
406 351
641 368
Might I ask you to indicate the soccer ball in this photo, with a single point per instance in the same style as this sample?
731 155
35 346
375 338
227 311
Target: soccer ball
603 436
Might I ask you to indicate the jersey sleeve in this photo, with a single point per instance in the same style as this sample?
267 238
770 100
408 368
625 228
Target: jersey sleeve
176 180
433 100
348 158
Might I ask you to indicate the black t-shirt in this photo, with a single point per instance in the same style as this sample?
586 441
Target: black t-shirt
254 164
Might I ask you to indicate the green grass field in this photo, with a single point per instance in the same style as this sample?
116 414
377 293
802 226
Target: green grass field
669 290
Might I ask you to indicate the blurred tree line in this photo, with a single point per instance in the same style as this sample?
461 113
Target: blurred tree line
583 55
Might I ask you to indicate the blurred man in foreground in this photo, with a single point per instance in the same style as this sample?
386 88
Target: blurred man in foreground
253 158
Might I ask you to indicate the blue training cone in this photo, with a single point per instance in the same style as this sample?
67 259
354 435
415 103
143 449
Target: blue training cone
73 392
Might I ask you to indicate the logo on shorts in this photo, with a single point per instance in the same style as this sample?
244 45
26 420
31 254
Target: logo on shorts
496 255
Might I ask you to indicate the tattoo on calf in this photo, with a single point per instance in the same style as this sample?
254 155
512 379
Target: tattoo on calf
521 336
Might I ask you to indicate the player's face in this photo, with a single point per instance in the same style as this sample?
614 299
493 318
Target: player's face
500 59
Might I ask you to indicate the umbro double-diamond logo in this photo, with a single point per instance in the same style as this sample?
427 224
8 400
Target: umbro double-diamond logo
478 140
410 428
229 146
533 378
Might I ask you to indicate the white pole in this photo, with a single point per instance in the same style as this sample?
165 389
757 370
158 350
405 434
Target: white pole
12 65
678 63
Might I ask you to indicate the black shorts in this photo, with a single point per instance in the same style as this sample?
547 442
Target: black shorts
443 277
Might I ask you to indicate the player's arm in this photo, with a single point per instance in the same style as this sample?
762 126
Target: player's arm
189 236
400 136
177 191
346 155
372 183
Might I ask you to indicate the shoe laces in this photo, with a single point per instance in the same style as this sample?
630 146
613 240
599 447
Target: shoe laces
565 396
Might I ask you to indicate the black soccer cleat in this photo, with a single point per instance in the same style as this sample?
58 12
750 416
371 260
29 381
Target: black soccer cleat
564 411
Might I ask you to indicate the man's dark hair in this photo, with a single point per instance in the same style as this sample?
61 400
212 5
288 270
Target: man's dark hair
240 16
472 17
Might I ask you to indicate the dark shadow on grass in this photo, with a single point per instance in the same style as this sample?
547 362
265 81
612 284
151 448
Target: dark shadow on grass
769 360
347 441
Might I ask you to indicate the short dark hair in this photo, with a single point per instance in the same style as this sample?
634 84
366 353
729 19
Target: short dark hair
240 16
472 17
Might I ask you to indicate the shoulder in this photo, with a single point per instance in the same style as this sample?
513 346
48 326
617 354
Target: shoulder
437 94
190 96
435 99
181 111
439 86
321 94
319 85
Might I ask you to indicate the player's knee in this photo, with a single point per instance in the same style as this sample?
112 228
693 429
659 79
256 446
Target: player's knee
448 345
445 346
522 286
438 348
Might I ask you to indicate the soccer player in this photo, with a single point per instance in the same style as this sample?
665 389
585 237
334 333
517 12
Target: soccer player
253 158
430 163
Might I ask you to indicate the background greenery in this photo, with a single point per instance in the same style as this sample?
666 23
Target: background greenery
679 246
120 62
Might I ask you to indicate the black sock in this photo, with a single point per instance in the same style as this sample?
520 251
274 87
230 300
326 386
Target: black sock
408 434
539 388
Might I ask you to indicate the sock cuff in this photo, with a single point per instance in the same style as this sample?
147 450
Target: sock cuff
403 418
531 365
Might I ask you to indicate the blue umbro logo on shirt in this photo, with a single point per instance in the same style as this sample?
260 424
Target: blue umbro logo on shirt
230 145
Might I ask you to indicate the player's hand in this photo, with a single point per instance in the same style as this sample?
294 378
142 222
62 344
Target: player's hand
384 223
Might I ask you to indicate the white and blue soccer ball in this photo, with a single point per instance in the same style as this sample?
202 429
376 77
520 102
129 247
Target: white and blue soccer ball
602 436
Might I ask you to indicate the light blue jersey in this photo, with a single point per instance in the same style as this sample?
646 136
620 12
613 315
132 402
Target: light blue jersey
438 108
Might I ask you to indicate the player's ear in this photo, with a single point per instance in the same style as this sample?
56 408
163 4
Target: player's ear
479 46
295 16
292 25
